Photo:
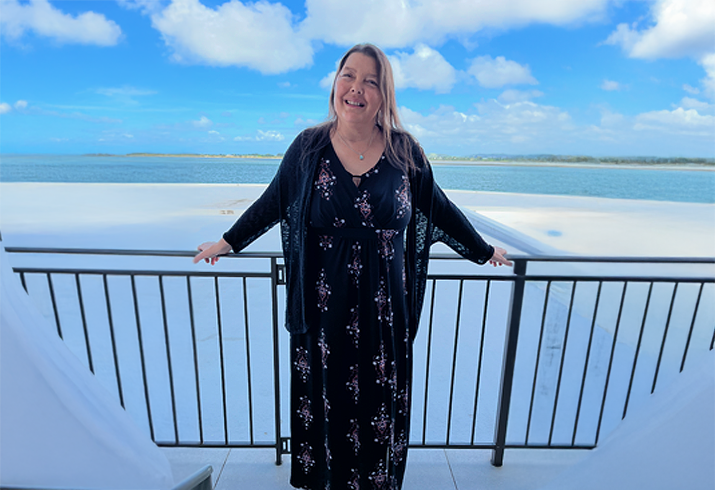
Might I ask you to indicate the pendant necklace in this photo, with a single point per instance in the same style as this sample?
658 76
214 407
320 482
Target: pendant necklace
360 155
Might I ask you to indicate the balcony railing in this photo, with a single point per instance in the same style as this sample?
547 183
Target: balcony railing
550 355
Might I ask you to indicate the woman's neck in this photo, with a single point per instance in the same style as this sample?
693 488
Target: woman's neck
355 134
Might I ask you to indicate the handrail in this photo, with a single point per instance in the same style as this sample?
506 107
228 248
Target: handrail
545 323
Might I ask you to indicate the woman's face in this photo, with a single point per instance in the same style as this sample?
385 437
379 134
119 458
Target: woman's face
357 95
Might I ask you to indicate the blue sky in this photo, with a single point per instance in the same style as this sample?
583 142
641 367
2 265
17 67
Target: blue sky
592 77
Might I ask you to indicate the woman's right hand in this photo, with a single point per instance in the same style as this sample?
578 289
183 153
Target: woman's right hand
209 251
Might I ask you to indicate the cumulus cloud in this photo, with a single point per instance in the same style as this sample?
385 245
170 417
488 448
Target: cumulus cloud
396 23
257 35
327 81
610 85
497 72
512 95
679 121
690 89
680 28
424 69
269 135
491 126
204 122
20 105
698 105
42 18
5 108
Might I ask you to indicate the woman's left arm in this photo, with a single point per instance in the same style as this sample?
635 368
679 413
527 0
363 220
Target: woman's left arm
450 225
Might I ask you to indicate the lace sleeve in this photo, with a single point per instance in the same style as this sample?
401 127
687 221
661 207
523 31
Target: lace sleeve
448 224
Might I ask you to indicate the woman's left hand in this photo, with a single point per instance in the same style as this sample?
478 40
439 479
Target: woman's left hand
499 257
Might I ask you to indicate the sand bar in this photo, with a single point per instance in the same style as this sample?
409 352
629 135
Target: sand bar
179 216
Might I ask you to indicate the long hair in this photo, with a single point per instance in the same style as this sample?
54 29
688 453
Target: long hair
398 142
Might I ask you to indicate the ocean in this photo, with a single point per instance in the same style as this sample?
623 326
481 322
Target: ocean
627 182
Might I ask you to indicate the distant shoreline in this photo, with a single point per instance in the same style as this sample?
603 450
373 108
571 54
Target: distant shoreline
683 164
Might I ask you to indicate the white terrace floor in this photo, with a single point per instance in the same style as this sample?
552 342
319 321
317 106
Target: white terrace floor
427 469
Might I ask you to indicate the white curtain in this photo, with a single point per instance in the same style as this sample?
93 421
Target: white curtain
59 428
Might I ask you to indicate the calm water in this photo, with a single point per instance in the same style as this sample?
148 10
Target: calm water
624 183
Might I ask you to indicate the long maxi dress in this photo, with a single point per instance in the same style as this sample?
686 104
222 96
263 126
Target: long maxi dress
350 392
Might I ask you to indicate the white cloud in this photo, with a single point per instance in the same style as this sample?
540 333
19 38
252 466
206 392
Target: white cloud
677 121
269 136
512 95
690 90
5 108
610 85
45 20
492 126
204 122
213 131
424 69
20 105
680 28
124 91
327 80
398 23
146 6
495 73
698 105
262 136
708 62
258 35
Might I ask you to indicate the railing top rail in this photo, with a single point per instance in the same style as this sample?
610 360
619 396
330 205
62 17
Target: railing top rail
437 256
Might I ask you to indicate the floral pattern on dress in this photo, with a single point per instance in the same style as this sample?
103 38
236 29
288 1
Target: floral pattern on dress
304 411
326 241
362 204
403 198
385 247
301 363
379 477
326 180
355 264
354 482
324 291
305 457
384 304
353 327
324 349
352 384
380 361
398 451
354 435
381 424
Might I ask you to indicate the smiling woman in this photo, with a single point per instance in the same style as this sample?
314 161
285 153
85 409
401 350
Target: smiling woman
358 210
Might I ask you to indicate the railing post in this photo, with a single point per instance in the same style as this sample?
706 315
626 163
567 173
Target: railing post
507 376
276 279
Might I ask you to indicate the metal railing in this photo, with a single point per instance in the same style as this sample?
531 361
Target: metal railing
549 355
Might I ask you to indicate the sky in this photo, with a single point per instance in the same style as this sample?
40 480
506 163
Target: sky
516 77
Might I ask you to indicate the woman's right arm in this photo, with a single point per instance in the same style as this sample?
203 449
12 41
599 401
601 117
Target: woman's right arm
260 216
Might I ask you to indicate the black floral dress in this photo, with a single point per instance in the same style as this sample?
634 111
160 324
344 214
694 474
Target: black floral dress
350 392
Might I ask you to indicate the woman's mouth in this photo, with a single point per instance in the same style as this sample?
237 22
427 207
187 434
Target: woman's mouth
354 104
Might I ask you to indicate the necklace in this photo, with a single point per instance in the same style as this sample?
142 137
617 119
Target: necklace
372 135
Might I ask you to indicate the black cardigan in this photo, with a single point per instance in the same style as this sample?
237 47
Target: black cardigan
287 198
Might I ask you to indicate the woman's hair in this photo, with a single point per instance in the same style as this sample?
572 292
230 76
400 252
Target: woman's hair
398 142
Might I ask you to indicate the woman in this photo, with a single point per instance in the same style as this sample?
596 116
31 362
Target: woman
358 210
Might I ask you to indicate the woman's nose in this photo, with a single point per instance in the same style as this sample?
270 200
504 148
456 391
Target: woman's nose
356 88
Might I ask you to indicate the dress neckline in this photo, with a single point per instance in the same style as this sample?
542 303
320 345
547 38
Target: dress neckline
362 176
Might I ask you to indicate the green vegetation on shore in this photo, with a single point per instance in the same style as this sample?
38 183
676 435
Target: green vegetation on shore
548 158
494 158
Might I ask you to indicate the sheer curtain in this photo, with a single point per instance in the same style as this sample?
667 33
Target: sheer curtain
59 428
